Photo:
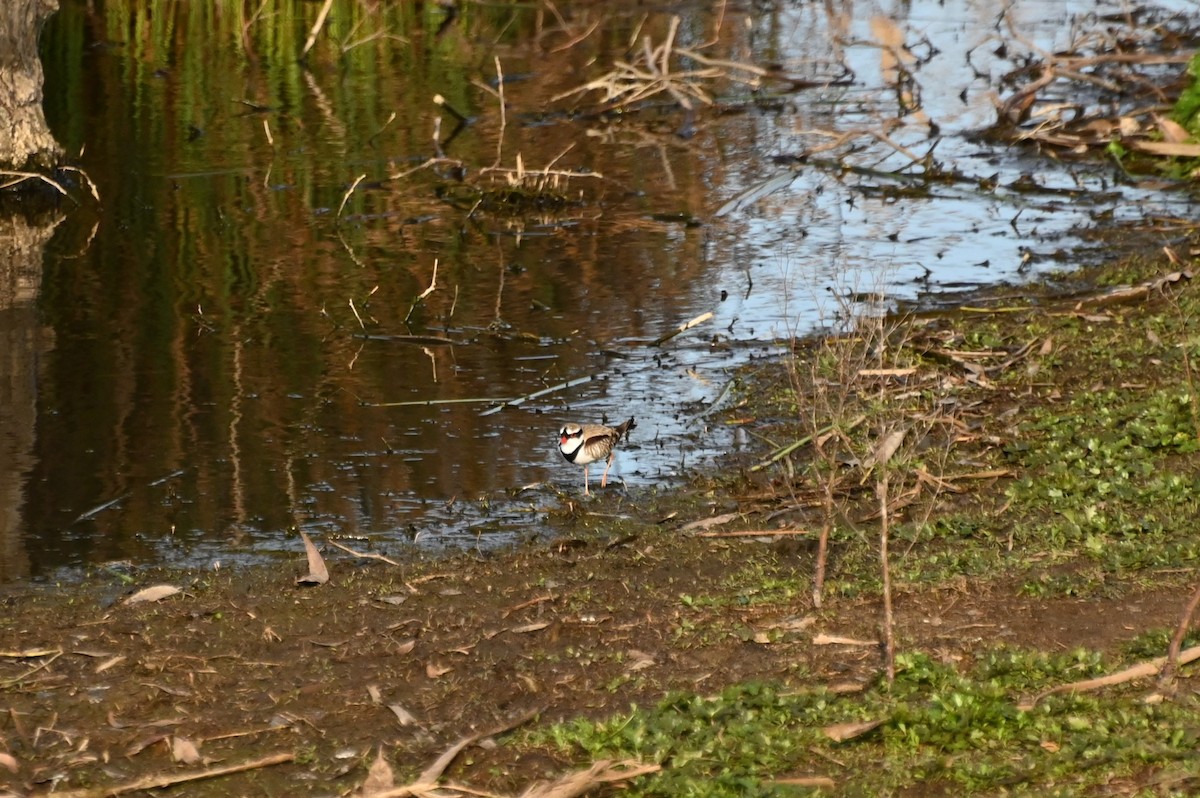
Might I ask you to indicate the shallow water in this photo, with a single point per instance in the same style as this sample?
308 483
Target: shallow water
206 361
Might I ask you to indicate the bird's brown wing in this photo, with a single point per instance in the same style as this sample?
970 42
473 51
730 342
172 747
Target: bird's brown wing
599 444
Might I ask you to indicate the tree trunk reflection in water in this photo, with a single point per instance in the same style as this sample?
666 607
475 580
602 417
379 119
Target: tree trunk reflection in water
23 341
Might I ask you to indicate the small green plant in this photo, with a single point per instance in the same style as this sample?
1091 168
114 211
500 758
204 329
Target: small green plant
934 729
1187 108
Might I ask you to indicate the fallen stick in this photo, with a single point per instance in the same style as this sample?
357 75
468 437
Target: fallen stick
432 340
364 554
562 386
427 782
600 773
992 474
154 782
101 508
1168 671
1139 671
753 533
662 339
425 293
55 654
431 402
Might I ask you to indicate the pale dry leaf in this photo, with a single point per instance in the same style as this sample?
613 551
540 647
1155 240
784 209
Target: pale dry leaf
1100 128
436 671
1129 126
708 523
380 778
639 660
155 593
837 640
83 652
793 624
103 666
405 717
318 572
1180 150
36 652
331 643
529 627
904 372
807 781
888 446
841 732
137 746
375 693
846 688
9 762
1171 130
185 751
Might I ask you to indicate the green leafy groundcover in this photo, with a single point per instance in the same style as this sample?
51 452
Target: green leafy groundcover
1187 107
962 733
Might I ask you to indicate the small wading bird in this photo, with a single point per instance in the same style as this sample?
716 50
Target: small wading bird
586 443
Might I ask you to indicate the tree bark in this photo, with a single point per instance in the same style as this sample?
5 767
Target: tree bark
26 143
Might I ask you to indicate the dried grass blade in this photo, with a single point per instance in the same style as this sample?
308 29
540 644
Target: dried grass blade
316 28
582 781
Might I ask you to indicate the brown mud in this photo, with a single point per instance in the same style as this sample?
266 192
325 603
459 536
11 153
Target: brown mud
411 658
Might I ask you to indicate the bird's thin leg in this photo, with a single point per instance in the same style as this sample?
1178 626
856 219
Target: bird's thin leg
585 485
604 478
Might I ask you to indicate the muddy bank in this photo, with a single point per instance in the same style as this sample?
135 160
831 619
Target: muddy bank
637 593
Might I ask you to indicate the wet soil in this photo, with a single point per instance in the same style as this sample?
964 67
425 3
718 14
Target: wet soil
246 665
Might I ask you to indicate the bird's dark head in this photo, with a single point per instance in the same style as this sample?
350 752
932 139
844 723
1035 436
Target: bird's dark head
569 432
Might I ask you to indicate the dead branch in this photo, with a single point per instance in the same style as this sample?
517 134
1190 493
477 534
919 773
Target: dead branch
1185 622
160 780
1140 671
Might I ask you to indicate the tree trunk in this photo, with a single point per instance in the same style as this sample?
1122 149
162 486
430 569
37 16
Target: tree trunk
26 143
